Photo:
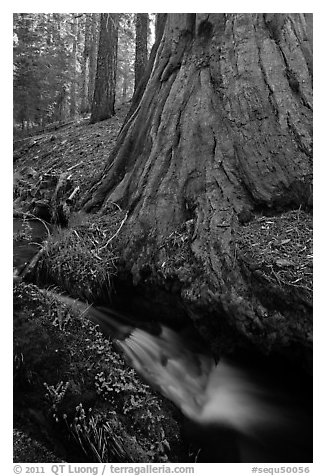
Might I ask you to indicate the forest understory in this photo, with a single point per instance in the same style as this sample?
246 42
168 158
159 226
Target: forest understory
78 392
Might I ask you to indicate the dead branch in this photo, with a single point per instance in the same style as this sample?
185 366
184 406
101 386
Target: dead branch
19 214
71 196
31 265
73 166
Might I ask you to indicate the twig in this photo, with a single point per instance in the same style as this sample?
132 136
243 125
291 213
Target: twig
71 196
95 255
73 166
279 280
29 214
34 243
49 170
113 203
76 234
301 286
116 233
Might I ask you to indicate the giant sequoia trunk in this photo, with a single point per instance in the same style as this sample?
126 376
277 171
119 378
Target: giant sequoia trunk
221 135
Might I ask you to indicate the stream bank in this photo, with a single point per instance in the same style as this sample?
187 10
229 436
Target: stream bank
75 394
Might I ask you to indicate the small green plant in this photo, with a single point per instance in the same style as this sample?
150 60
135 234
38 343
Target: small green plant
81 259
129 421
96 437
55 394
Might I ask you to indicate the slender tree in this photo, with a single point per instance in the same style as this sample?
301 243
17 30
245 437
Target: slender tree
159 29
105 83
85 65
61 105
141 56
93 56
125 80
73 98
223 130
126 57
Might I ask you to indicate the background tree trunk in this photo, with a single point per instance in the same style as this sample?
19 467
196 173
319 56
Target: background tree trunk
160 19
61 105
105 83
221 134
141 55
138 93
74 31
93 57
124 85
84 108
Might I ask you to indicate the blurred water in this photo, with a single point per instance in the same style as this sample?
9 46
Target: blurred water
24 250
239 411
244 409
250 417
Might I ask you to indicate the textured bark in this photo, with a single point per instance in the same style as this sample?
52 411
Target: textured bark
93 57
141 54
85 107
222 131
124 86
61 105
160 19
105 83
74 32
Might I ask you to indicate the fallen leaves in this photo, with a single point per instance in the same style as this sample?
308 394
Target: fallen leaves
281 248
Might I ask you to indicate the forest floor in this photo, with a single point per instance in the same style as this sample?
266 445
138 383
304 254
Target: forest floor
82 149
276 249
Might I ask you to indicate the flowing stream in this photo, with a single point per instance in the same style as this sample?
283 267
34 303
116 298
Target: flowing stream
236 411
25 249
247 408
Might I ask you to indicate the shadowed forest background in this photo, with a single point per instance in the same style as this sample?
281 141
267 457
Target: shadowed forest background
55 62
163 176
